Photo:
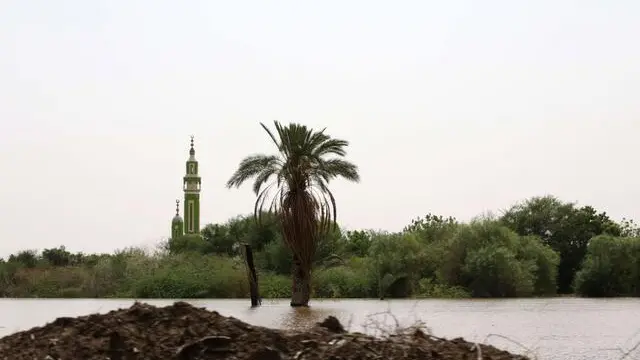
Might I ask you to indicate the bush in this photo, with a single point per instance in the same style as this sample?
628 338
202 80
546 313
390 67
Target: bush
341 282
494 271
274 286
428 288
49 282
611 268
275 258
396 257
192 276
28 258
188 243
490 260
543 261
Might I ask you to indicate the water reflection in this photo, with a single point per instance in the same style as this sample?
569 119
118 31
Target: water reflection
302 318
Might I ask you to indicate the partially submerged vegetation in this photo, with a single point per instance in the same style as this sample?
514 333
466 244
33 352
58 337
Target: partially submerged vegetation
523 253
293 185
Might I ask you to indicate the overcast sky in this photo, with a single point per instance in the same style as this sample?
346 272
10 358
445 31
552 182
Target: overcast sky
451 107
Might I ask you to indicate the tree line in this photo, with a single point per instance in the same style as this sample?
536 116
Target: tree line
539 247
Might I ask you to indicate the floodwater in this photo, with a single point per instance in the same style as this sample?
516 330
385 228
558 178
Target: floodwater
547 329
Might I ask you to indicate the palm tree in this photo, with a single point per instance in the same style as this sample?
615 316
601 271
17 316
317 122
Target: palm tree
293 185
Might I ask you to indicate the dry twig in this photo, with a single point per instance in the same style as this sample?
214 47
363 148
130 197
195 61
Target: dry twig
527 351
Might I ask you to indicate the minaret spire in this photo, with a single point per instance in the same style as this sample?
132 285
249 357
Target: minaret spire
190 226
177 224
191 187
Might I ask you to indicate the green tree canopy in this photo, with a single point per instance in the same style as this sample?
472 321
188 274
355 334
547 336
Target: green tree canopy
563 226
611 267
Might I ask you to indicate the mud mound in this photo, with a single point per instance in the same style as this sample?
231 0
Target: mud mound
184 332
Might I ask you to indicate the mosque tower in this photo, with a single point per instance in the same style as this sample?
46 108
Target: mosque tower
191 188
177 225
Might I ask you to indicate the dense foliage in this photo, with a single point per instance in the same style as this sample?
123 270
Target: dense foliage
565 227
518 254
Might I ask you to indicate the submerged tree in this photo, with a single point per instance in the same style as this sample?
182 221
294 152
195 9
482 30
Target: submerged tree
293 185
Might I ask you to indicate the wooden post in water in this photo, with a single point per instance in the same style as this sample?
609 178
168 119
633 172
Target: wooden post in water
253 277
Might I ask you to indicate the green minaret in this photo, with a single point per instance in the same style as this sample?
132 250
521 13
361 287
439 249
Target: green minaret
177 225
191 182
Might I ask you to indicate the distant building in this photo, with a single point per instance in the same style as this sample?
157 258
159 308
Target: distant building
191 187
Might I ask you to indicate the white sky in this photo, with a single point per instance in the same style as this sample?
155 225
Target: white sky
452 107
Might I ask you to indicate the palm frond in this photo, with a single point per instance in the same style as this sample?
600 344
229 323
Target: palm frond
250 167
271 134
332 147
263 177
333 168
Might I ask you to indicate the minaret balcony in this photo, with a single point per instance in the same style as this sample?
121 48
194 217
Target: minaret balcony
191 187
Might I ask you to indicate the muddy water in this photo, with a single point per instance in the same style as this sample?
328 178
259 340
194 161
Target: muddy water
551 329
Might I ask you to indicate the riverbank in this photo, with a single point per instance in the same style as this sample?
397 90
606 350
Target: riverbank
182 331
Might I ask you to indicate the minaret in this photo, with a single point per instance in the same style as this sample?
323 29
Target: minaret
177 225
191 188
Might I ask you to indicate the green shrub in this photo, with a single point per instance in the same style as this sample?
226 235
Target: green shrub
493 271
543 261
489 260
50 282
274 286
428 288
341 282
192 276
395 256
611 268
275 258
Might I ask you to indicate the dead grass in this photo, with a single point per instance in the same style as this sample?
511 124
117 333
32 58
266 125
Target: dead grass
386 325
377 325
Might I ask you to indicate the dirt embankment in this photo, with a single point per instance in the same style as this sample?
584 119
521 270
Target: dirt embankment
184 332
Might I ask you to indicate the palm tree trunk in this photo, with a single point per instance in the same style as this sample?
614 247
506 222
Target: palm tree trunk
301 289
